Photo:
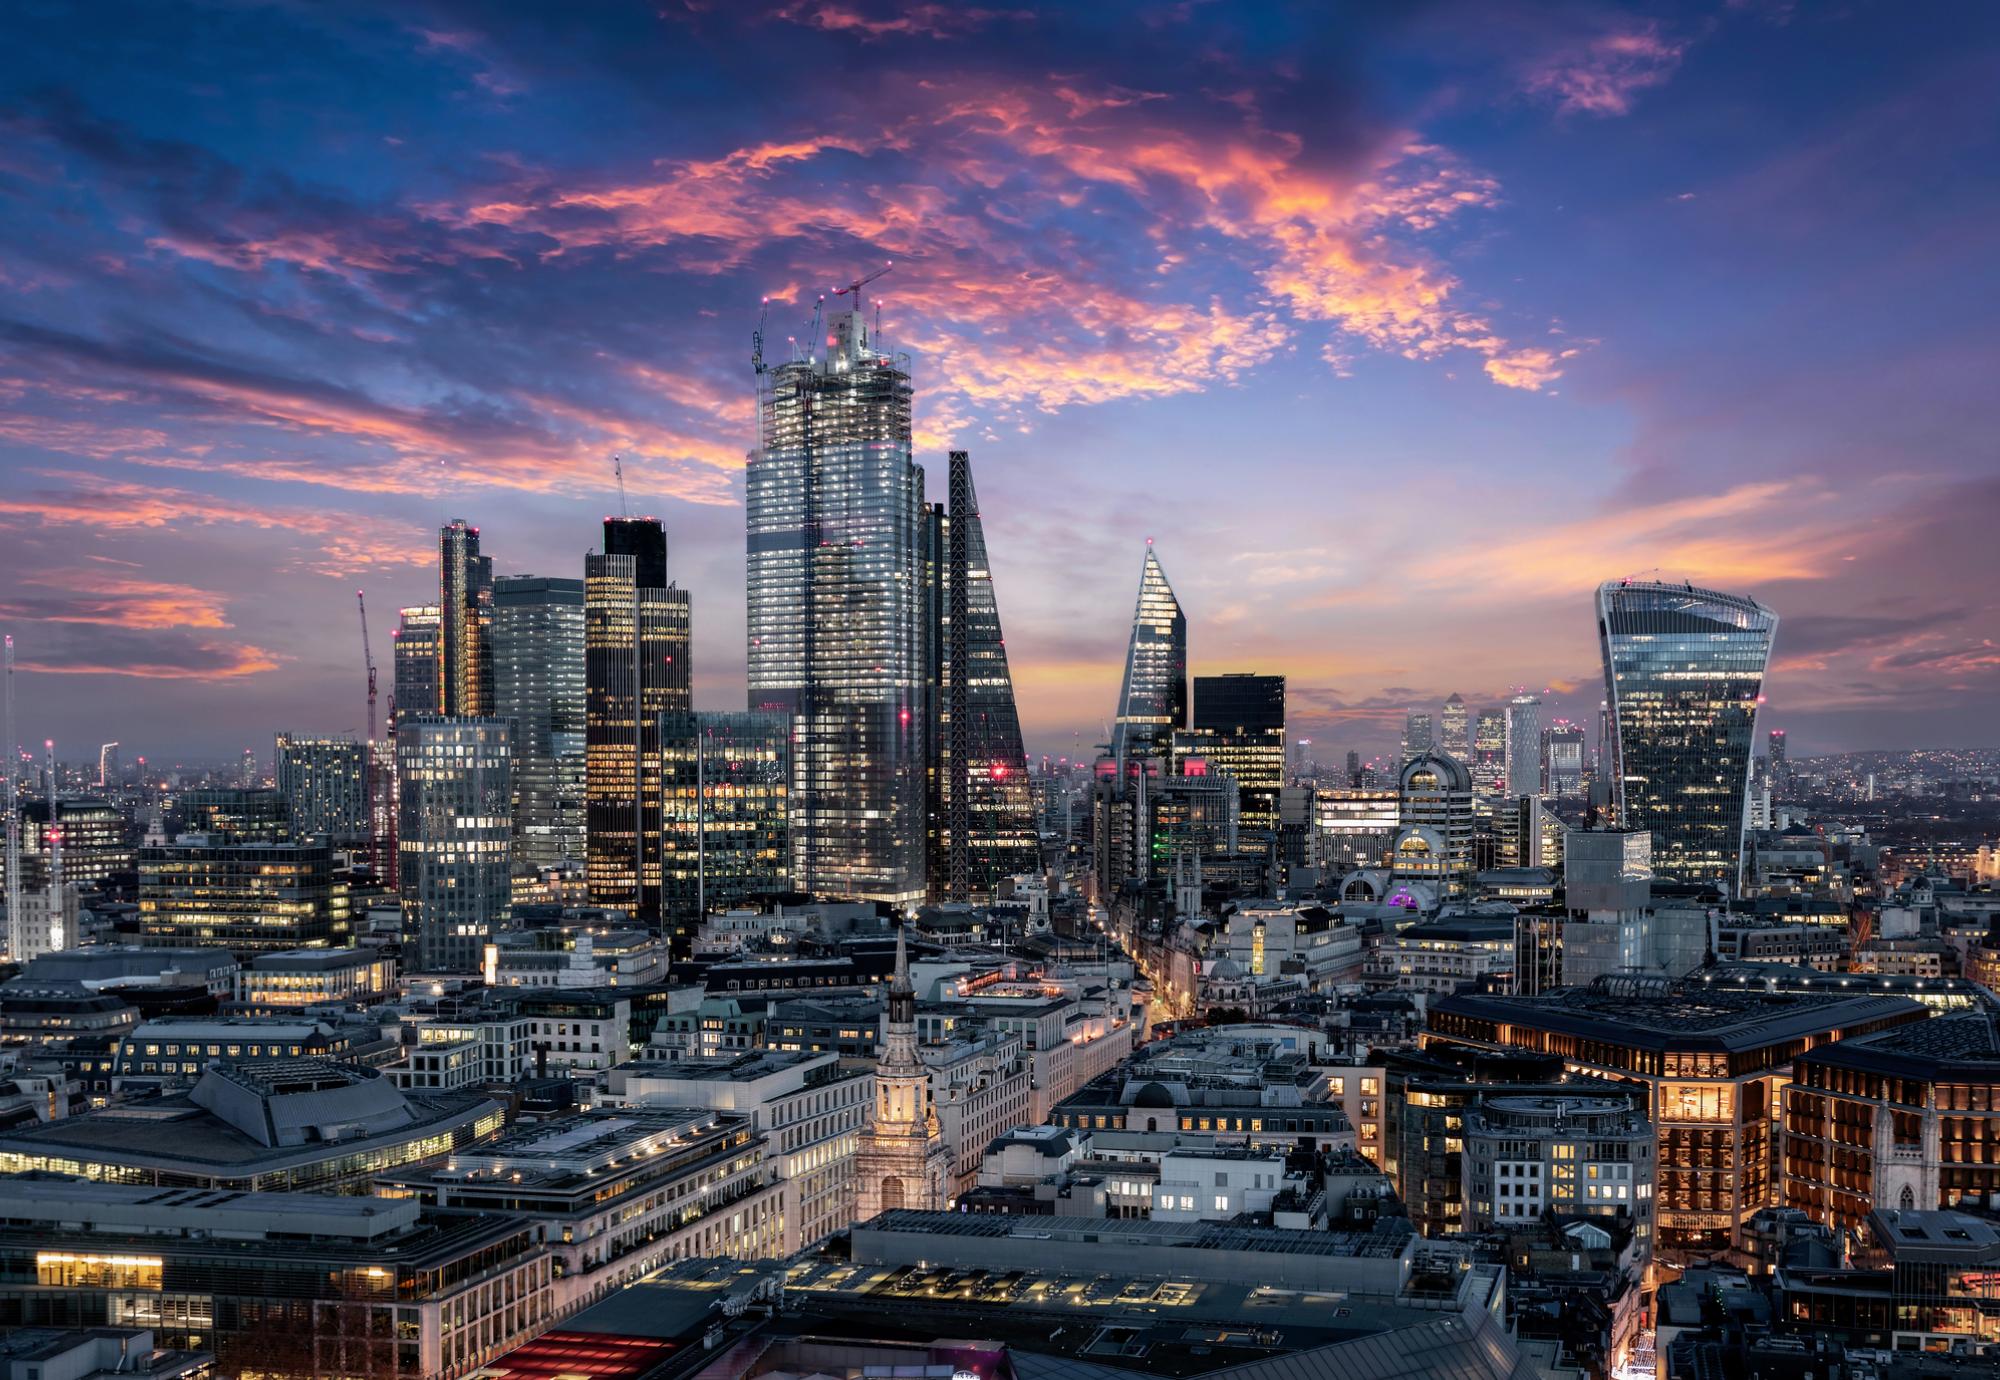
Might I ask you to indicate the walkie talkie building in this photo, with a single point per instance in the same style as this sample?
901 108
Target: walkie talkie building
1684 673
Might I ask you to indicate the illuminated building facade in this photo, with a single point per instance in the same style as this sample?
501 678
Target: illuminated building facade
986 830
240 814
1562 760
1153 700
95 842
454 836
1434 825
1489 754
465 622
416 663
1455 730
248 897
1419 736
1906 1119
727 827
538 687
1524 745
1239 731
636 671
324 782
1354 828
839 608
1684 670
901 1160
1713 1062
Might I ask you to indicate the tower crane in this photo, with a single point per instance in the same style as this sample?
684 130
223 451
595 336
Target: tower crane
862 282
618 473
368 657
757 340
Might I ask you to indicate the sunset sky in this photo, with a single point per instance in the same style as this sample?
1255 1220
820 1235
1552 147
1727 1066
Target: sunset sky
1398 331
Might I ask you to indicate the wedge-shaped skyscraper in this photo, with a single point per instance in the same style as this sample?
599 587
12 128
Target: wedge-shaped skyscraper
1684 671
987 832
1153 701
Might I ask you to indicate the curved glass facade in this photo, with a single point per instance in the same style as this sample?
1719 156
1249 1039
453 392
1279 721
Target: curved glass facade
1684 671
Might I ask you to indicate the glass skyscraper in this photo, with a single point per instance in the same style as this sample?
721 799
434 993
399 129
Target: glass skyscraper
839 611
465 615
1524 746
636 672
986 830
1153 700
454 835
324 782
1489 754
538 687
727 831
1684 671
415 686
1239 732
1454 730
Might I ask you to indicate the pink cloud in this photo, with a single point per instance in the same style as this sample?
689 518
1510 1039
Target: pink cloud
1602 75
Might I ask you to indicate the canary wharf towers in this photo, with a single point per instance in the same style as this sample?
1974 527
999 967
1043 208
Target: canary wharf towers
1684 671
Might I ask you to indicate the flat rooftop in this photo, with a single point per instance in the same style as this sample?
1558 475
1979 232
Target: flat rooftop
1959 1045
1660 1015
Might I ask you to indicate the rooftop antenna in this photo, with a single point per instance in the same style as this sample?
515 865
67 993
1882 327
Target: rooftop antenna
618 473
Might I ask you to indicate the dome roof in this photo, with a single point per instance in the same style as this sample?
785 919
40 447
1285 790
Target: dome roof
1430 772
1153 1095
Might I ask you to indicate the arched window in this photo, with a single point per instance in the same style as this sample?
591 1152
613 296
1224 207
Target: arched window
1909 1200
892 1193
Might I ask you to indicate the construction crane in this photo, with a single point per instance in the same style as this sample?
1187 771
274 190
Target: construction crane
862 282
618 473
367 656
16 924
757 340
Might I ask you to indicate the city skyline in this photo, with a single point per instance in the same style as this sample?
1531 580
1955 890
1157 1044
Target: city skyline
1533 306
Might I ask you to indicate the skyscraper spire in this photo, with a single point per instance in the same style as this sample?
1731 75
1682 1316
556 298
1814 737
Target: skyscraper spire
1153 701
988 828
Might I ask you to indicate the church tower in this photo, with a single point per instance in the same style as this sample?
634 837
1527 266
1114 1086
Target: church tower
902 1162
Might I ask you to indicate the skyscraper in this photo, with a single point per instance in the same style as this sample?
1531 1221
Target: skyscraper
324 782
416 664
465 615
1239 732
1562 760
727 833
538 687
1489 754
1454 730
1524 745
837 610
987 829
636 671
454 831
1153 700
1418 738
1781 767
1684 670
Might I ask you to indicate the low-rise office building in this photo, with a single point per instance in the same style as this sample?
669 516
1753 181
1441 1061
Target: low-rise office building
1712 1062
266 1126
1905 1119
241 896
810 1107
285 1285
1528 1155
617 1193
294 980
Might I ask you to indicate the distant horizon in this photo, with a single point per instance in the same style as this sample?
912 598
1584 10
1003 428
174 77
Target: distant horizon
1397 329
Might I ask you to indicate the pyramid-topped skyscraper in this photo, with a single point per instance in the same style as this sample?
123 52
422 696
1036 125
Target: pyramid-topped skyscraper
1153 701
987 827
